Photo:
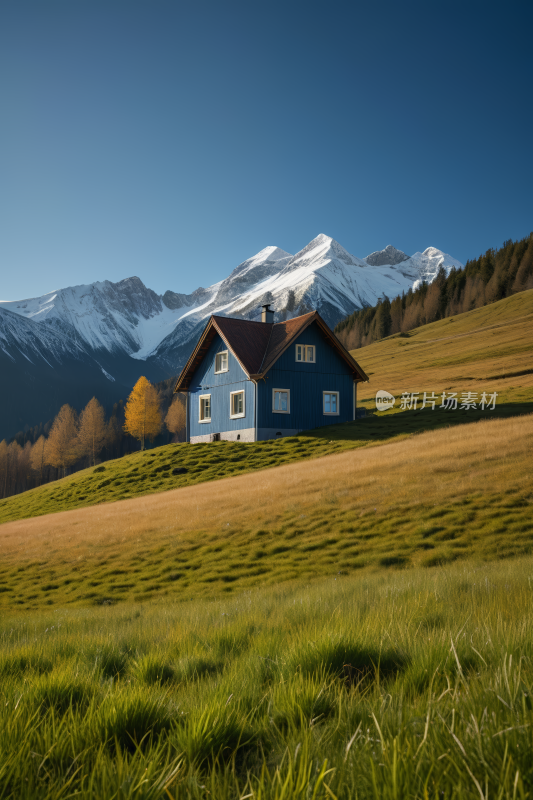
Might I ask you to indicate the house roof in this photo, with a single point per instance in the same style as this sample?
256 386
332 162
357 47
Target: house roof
258 345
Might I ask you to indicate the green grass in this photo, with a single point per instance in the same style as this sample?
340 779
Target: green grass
439 497
175 465
332 538
364 633
413 684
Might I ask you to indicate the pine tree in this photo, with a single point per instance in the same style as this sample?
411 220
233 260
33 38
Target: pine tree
525 270
291 300
396 315
268 298
61 446
37 457
175 418
92 431
142 412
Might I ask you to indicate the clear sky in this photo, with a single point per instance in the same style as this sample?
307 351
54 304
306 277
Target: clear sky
172 140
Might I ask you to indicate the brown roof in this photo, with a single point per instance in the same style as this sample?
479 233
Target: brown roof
248 340
258 345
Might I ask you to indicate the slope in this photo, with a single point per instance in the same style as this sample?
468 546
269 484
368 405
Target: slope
436 497
489 349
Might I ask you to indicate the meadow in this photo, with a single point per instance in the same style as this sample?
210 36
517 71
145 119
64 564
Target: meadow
454 493
343 614
417 684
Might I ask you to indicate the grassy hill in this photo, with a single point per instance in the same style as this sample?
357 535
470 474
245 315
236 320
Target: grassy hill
464 491
318 655
489 349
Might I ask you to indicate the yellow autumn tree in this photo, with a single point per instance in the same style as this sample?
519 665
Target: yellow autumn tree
143 412
92 431
61 448
175 418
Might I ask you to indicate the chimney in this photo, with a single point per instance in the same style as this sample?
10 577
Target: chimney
267 315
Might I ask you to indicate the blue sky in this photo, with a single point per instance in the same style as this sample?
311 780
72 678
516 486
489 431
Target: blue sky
172 140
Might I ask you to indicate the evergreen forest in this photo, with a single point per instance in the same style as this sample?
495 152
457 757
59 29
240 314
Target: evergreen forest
487 279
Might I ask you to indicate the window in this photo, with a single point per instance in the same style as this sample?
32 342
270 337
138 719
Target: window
305 352
281 401
236 404
205 408
331 402
221 362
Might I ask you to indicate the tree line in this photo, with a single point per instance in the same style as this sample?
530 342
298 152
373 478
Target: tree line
75 441
491 277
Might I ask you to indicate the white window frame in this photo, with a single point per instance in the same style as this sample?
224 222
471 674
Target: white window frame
221 353
276 410
331 413
231 394
305 360
204 397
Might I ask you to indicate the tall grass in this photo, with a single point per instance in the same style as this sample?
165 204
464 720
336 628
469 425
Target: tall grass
412 684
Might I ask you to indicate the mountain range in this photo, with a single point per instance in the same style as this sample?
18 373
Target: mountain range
97 339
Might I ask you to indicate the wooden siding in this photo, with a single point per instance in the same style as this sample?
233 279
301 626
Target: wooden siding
205 381
306 382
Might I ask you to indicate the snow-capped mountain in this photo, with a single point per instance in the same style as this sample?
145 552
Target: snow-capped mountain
72 343
323 276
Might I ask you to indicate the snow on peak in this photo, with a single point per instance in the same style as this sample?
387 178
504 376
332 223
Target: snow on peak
323 248
127 318
271 253
429 262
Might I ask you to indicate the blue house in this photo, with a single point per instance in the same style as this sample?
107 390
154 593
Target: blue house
250 381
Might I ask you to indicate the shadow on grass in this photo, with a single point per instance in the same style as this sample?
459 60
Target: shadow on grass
348 661
381 426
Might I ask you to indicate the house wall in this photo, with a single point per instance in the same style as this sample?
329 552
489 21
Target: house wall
205 381
306 382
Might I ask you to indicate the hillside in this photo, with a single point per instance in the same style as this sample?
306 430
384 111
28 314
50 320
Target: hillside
489 349
433 498
411 487
316 644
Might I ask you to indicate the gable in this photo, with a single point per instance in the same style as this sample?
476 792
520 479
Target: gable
247 340
287 335
205 374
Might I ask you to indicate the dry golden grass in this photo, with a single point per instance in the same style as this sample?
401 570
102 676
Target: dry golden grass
440 466
488 349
